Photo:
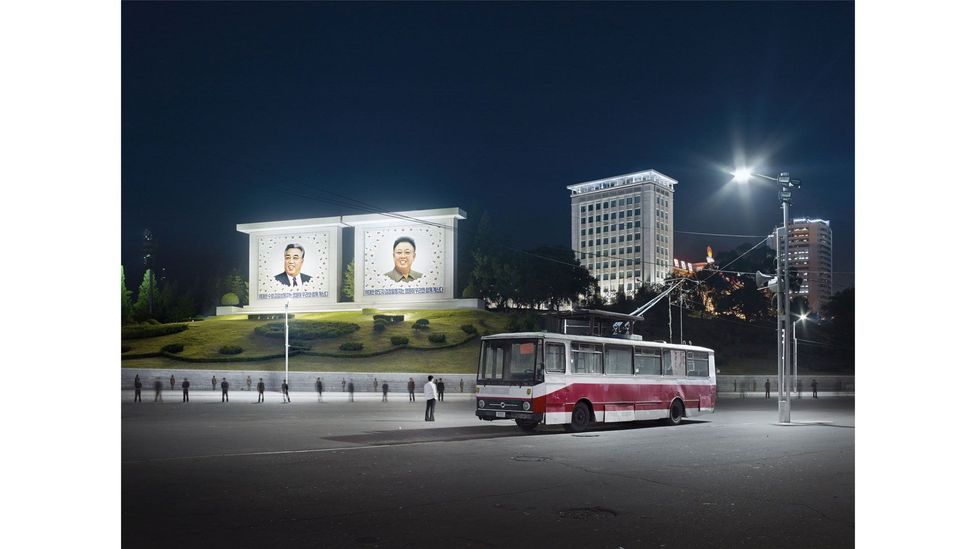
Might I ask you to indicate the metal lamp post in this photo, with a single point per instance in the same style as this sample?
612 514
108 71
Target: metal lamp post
287 301
784 329
796 354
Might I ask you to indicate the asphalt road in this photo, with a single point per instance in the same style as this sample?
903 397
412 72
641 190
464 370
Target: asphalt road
374 474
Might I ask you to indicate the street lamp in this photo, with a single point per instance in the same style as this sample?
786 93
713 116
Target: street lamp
784 326
796 354
287 301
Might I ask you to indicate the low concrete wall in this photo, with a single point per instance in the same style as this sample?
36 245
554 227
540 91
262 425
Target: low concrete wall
297 381
751 385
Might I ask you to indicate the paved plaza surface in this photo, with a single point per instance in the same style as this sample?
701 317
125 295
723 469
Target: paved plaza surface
375 474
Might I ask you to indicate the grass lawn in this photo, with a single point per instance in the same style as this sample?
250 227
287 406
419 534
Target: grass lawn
459 352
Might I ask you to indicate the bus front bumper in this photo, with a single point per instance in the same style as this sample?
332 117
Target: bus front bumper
491 415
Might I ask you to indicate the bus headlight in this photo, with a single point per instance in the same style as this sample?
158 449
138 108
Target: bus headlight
481 404
526 405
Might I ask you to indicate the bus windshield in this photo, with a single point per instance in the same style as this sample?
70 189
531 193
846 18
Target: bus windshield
512 360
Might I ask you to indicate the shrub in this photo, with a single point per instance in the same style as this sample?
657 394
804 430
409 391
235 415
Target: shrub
351 346
151 330
231 350
469 329
379 326
230 299
389 318
422 324
307 329
523 323
126 348
369 311
399 340
153 322
172 348
437 338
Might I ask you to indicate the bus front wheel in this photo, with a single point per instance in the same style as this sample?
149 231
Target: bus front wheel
674 415
526 424
580 419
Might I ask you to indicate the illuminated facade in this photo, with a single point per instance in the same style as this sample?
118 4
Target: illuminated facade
811 255
623 229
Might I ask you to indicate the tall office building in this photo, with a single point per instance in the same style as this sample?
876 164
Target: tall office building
623 229
811 255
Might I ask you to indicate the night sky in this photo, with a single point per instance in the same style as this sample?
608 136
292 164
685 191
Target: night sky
250 112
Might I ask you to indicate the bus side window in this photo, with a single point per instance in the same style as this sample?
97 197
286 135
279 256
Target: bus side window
666 368
647 362
555 358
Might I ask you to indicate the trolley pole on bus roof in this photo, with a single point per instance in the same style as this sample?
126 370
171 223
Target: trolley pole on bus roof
784 328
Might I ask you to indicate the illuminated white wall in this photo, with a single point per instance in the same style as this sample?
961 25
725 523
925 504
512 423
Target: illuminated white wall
322 243
433 232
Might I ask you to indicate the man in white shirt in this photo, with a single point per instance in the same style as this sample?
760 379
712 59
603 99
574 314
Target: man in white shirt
430 395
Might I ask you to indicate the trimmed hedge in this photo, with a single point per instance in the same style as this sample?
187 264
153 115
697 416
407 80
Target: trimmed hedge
469 329
151 330
437 338
399 340
231 350
351 346
379 326
389 318
307 329
172 348
126 348
422 324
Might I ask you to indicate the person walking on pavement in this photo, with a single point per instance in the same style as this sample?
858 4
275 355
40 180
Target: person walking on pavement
172 383
440 389
261 389
813 385
248 383
213 383
186 390
223 390
343 385
386 389
430 395
411 387
318 387
375 384
284 392
767 387
158 388
352 389
138 387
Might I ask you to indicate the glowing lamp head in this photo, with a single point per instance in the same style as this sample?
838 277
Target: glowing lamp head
741 175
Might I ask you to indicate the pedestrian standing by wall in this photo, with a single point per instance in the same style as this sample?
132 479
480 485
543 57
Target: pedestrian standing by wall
461 385
318 387
213 383
813 385
261 389
375 384
440 389
284 392
767 387
172 382
138 387
430 395
411 387
343 385
386 389
224 386
158 388
248 383
352 389
186 390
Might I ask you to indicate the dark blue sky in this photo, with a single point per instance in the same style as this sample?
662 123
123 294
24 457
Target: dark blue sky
247 112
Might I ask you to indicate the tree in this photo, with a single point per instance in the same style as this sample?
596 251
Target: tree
839 316
147 303
349 282
235 283
126 301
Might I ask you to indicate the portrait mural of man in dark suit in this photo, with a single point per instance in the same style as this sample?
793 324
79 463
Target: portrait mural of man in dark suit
294 258
404 254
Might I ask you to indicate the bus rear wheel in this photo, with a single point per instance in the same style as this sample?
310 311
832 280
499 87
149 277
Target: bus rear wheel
674 415
526 424
580 419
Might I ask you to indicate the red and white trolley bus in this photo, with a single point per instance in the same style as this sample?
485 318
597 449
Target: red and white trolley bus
574 380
